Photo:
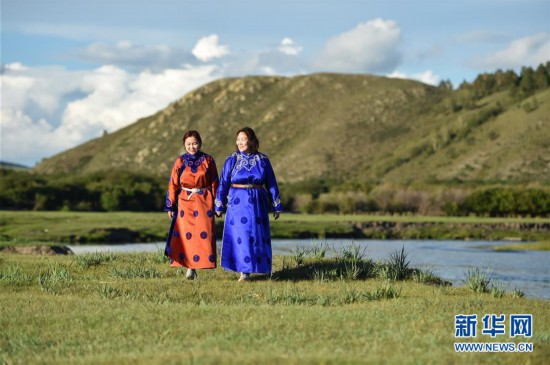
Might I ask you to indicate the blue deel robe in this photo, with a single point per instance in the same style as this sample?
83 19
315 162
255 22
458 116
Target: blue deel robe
246 243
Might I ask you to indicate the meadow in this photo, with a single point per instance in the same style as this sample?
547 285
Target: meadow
54 227
133 308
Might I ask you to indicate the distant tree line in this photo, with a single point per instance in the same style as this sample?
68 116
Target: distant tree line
105 191
125 191
493 202
518 86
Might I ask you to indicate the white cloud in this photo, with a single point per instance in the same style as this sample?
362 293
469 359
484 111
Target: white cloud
371 47
36 89
527 51
288 47
280 59
21 137
427 77
106 98
268 71
17 66
208 48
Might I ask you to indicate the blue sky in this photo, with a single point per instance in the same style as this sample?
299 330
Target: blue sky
72 69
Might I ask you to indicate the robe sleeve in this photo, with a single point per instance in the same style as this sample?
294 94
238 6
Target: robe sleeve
272 187
213 177
225 184
174 186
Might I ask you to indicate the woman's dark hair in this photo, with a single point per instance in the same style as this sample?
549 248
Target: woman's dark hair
252 139
193 134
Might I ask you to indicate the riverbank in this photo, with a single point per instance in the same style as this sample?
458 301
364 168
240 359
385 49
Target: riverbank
30 227
126 308
529 246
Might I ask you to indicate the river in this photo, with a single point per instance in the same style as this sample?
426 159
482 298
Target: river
528 271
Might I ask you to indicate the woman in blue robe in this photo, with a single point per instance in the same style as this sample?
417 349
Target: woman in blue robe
247 188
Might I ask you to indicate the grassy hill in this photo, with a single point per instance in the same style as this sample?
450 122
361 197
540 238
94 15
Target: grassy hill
357 128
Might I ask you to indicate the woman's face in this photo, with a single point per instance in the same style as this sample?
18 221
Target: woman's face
242 142
191 145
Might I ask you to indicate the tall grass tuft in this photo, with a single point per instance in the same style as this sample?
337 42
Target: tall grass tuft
477 280
14 275
319 251
159 257
299 254
517 293
498 290
396 266
388 291
349 296
94 259
352 270
354 252
426 276
55 278
324 275
353 263
108 292
288 296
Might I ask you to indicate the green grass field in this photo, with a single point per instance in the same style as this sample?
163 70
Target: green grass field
30 227
133 308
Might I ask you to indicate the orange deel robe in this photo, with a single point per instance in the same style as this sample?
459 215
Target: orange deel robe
192 241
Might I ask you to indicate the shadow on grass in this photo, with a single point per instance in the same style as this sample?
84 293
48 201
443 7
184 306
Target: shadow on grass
338 269
325 270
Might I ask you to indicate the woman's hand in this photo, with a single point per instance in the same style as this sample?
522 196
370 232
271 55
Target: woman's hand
171 214
219 214
276 215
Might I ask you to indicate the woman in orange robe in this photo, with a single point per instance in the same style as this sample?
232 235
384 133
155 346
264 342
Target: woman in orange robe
191 241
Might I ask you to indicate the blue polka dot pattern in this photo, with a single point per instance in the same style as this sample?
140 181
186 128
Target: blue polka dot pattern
232 222
239 241
251 199
204 235
188 235
182 213
196 213
211 258
181 256
196 258
176 234
244 220
236 201
247 259
251 240
209 213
